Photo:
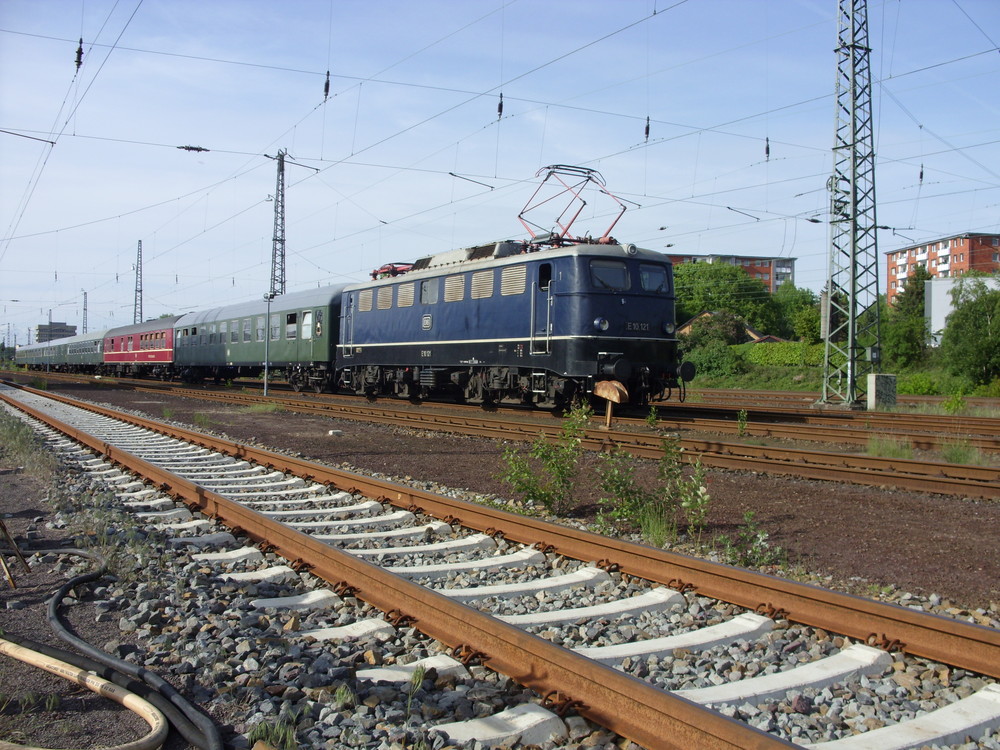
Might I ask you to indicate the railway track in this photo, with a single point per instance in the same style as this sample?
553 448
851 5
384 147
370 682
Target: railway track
746 453
521 572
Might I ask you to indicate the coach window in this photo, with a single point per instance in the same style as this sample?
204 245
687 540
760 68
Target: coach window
234 332
246 330
307 324
260 328
611 275
653 278
223 330
319 322
429 292
275 326
291 325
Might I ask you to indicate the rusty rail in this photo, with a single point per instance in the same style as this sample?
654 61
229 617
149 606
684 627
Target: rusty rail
956 643
653 718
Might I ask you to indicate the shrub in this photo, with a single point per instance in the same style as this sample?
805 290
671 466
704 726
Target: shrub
716 359
917 384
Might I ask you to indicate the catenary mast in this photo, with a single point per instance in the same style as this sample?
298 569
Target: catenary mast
850 306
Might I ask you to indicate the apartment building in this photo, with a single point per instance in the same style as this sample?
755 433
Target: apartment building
772 271
944 258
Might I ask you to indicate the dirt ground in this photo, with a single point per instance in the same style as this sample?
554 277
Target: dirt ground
863 537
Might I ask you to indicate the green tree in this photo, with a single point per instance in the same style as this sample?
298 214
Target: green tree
806 324
971 341
717 287
722 327
793 305
906 332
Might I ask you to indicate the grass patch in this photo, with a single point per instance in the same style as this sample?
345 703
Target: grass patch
20 446
886 446
959 451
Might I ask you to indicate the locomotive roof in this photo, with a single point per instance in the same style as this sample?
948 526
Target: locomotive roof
323 297
508 252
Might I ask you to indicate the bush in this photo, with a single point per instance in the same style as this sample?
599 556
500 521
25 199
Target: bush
991 389
917 384
786 354
716 359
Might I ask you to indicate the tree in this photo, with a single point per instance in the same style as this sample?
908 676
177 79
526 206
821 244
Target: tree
971 341
906 332
796 304
717 287
723 328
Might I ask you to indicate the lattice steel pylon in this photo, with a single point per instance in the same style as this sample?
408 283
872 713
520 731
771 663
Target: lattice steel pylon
137 305
278 245
851 304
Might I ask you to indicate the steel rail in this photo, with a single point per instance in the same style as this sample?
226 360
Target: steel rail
654 718
907 474
959 644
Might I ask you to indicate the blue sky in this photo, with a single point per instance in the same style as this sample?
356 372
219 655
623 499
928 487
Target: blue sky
412 157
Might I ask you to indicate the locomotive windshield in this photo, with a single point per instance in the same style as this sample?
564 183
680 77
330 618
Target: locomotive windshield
611 275
653 278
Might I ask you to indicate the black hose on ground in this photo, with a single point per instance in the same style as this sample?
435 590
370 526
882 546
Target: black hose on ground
209 738
174 717
191 723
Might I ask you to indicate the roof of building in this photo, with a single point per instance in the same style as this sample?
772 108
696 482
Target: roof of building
966 235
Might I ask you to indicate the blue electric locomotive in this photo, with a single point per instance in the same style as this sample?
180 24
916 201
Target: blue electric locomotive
515 321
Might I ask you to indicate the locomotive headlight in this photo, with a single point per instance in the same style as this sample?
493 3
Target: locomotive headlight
669 328
601 324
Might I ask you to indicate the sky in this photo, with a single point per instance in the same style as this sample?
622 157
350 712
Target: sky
407 155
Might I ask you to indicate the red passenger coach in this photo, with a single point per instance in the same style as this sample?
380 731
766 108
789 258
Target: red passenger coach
143 349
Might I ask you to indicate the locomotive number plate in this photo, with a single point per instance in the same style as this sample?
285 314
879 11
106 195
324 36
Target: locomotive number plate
637 327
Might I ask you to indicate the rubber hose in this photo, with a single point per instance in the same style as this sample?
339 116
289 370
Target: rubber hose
158 727
175 718
210 738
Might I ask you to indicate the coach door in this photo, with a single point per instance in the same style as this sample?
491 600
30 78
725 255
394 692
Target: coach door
310 345
541 310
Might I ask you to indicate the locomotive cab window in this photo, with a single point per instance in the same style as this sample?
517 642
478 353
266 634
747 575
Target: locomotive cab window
653 278
610 275
544 276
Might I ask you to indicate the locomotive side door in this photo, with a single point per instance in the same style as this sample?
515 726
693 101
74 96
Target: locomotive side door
541 309
347 325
